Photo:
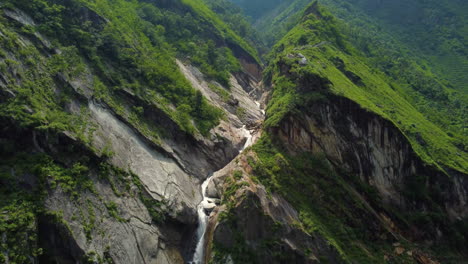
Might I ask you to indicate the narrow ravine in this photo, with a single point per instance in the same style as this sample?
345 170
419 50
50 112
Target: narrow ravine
208 204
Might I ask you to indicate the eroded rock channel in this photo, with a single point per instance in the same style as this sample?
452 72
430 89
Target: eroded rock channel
208 204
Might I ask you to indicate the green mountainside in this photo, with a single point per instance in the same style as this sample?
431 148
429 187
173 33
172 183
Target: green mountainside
142 42
330 131
57 58
310 66
413 77
232 15
331 58
320 60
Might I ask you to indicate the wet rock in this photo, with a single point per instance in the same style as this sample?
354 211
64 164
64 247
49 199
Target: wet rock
209 207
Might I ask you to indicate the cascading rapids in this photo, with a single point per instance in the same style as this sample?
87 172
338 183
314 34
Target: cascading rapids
207 205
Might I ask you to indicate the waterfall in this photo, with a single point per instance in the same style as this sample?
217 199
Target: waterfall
259 107
207 204
202 222
248 137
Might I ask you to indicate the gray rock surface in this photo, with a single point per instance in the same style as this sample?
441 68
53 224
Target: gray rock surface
161 176
251 113
369 146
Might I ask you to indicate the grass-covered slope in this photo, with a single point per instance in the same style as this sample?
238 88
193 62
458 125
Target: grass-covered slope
435 30
225 31
332 57
132 46
426 59
233 16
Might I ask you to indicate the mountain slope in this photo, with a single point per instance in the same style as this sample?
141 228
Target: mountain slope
428 79
331 57
147 131
337 148
104 139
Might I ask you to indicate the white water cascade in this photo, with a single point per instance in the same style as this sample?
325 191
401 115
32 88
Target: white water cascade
208 204
258 104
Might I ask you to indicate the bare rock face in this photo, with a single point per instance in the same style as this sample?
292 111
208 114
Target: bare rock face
19 16
212 190
161 175
256 218
241 107
130 239
371 147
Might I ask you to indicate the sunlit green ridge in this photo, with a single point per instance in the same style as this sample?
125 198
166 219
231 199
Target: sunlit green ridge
374 91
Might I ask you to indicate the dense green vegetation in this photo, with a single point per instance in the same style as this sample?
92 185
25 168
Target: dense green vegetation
341 68
232 15
21 206
429 78
402 53
433 30
140 41
336 63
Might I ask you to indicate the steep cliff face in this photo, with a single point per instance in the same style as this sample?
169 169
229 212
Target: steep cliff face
373 148
323 183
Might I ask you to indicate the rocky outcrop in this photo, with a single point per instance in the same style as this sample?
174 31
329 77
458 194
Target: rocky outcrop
371 147
162 177
239 100
258 226
365 144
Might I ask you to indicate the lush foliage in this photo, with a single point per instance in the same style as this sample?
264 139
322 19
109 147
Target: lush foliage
232 15
426 60
433 30
79 51
21 206
140 41
334 64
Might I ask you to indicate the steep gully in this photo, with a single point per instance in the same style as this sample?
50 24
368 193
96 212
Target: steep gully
208 204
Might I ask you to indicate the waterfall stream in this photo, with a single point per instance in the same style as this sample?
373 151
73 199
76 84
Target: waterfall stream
207 205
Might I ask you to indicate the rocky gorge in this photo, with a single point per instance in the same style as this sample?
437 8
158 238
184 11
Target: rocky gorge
249 163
